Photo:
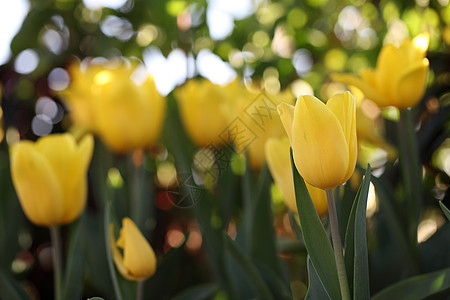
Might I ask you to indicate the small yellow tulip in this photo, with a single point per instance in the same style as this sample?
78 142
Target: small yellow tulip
323 138
50 177
206 110
279 162
400 76
118 103
138 261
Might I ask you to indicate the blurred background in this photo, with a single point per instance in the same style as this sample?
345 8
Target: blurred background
277 45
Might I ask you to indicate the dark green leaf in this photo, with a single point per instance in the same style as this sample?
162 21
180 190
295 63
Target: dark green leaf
417 287
445 210
73 279
386 199
10 289
262 235
315 287
316 238
259 286
201 292
356 259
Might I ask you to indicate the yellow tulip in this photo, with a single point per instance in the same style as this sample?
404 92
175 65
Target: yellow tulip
279 162
206 110
399 78
323 138
50 177
258 111
138 261
125 110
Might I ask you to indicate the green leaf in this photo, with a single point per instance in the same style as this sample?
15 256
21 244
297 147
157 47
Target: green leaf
201 292
387 200
445 210
356 259
315 287
73 282
10 289
417 287
259 286
316 238
262 237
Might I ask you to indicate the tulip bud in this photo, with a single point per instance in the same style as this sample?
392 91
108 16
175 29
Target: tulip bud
206 110
323 138
399 78
138 261
118 103
279 162
50 177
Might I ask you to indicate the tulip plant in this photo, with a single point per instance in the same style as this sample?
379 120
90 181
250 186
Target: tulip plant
169 161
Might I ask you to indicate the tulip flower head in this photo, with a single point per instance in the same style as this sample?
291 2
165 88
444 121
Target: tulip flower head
279 162
206 110
323 138
50 177
138 261
399 78
118 102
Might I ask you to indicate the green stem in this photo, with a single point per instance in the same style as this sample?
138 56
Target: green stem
112 271
337 246
411 172
57 260
140 290
136 205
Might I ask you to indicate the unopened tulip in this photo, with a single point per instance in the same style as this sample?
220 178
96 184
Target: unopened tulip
50 177
399 78
323 138
206 110
138 261
118 102
279 162
258 111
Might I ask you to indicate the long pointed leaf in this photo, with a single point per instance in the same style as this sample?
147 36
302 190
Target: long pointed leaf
10 289
315 237
259 286
201 292
73 284
445 210
356 259
315 288
417 287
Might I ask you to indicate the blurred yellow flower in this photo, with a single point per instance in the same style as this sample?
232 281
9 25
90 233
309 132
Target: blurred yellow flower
206 110
400 76
118 102
50 177
138 261
279 162
323 138
260 121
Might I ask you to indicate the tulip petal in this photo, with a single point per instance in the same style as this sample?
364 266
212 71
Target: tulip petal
319 198
286 113
37 187
117 256
279 162
369 90
85 150
320 149
69 163
139 258
344 108
411 84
